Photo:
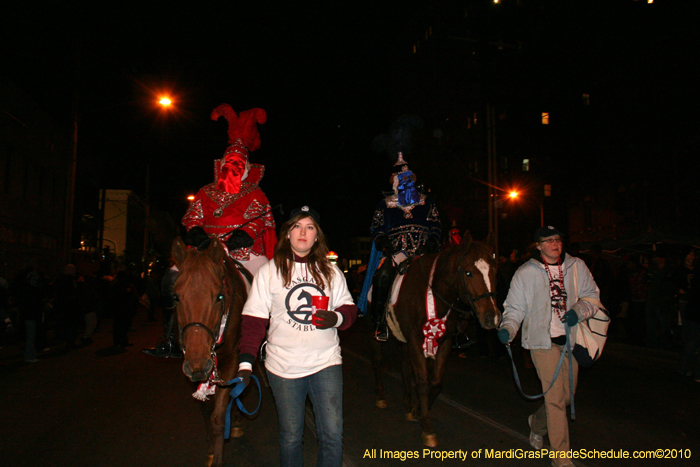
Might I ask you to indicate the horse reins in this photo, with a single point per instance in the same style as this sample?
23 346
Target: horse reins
223 323
462 275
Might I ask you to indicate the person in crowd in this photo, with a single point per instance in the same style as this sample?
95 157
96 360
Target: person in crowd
88 304
406 223
233 208
602 272
688 284
302 352
659 310
125 301
151 286
168 345
683 276
638 293
32 293
550 291
65 305
5 319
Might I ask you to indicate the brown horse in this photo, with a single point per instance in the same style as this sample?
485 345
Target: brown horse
460 276
209 294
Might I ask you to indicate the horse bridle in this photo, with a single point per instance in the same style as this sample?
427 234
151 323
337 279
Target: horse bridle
462 275
223 318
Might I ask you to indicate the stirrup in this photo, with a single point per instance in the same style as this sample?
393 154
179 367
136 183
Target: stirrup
382 333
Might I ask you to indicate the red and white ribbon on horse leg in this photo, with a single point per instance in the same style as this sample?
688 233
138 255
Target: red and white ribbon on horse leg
435 327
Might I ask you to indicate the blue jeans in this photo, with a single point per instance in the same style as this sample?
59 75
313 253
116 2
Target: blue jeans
325 390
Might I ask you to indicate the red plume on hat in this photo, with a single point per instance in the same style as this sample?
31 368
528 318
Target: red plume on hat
243 137
243 126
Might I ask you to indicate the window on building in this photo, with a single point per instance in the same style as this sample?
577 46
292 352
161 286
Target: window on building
545 118
586 99
526 165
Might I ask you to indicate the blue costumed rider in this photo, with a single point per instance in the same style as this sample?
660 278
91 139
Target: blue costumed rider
406 223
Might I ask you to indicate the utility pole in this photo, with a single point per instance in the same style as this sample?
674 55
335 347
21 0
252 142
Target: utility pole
492 166
70 195
144 258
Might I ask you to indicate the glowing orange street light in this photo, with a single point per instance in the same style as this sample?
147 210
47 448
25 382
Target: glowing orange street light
165 102
332 256
513 194
190 198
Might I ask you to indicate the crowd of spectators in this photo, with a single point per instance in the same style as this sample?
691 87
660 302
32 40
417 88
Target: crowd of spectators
63 312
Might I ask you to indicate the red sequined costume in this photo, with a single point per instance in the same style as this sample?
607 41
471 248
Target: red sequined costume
234 201
219 212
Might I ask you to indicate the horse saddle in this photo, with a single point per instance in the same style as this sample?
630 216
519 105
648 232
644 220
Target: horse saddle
247 275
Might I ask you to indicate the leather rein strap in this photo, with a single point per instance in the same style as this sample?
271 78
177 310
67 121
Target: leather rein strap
462 276
217 340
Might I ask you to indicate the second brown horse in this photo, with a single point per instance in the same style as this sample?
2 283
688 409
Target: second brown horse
462 276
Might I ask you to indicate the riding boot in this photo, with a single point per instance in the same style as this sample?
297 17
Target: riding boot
381 332
167 346
162 349
380 294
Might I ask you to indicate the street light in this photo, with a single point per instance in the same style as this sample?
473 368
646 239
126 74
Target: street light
165 102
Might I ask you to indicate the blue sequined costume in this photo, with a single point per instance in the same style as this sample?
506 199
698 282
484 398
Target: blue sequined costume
407 227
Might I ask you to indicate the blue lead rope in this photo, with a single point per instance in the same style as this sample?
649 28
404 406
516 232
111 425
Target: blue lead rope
571 373
517 379
556 374
235 395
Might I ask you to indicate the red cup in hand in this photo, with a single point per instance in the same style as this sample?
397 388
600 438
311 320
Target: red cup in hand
319 302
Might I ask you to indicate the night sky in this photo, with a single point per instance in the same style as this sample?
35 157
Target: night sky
322 72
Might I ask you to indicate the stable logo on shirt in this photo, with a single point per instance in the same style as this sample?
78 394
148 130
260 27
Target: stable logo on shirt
298 305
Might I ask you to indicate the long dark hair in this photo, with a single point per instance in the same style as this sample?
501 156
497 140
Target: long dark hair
316 261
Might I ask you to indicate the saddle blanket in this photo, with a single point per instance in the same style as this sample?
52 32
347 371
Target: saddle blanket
433 329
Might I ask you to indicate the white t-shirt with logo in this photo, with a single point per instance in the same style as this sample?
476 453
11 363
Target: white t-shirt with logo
295 347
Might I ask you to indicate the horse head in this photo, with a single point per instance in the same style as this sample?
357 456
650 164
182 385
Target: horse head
202 301
476 270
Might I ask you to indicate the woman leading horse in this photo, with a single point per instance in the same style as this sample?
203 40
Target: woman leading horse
303 349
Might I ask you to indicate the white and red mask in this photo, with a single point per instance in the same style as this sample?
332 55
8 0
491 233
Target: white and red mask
234 168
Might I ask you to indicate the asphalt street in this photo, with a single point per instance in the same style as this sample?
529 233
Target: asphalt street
93 406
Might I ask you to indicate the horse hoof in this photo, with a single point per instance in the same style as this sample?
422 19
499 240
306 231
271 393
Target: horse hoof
209 461
381 403
236 432
430 440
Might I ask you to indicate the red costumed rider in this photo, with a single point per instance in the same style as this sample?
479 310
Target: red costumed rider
233 208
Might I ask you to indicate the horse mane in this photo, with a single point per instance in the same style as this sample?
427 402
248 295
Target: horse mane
195 262
455 253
